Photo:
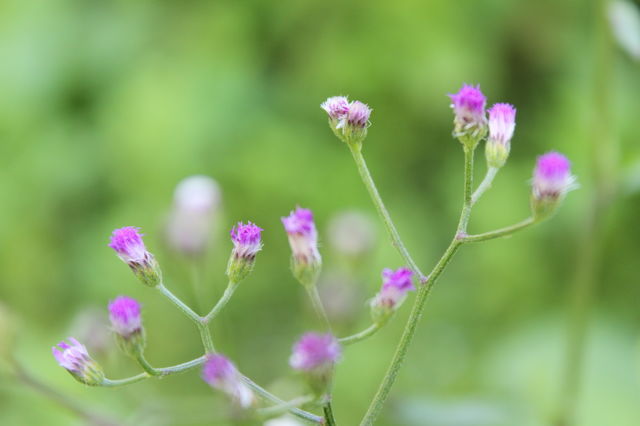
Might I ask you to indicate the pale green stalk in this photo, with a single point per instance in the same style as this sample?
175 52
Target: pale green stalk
485 184
226 296
364 334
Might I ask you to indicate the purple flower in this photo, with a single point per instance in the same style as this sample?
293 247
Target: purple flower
73 356
468 106
400 279
395 286
502 123
128 244
124 313
552 177
358 114
336 106
315 352
246 239
303 239
221 374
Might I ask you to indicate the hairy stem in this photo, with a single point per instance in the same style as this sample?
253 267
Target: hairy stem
276 410
356 151
328 414
109 383
498 233
364 334
179 303
226 296
485 184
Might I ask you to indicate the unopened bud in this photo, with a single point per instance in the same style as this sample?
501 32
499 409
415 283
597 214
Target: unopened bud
246 244
315 355
73 356
470 123
552 179
502 122
126 321
127 243
348 120
303 239
395 286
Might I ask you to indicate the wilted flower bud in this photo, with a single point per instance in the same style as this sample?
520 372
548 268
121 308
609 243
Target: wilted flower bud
352 233
470 121
221 374
395 286
128 244
348 120
303 239
246 244
126 321
74 358
195 204
552 179
502 123
315 355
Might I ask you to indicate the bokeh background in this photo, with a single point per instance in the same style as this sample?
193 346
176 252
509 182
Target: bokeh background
106 105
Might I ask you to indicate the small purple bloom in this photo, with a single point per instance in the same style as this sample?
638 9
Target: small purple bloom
399 279
303 236
552 176
221 374
502 123
124 313
315 352
395 286
358 114
468 104
73 356
246 239
336 106
128 244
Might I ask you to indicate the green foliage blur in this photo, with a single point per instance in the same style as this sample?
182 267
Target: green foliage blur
106 105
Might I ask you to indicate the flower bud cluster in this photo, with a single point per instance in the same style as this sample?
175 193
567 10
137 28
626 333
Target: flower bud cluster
348 120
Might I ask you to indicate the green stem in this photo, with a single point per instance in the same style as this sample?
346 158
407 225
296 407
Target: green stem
121 382
146 366
205 336
226 296
423 293
305 415
276 410
185 366
328 414
498 233
485 184
312 291
364 334
365 175
179 304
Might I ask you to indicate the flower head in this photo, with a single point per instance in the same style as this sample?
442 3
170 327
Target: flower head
336 106
303 239
221 374
124 313
358 114
502 123
127 243
552 179
348 120
315 352
73 356
395 286
246 239
470 121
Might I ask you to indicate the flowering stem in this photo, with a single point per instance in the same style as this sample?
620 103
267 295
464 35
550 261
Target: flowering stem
328 414
356 151
423 293
146 366
498 233
485 184
276 410
205 336
226 296
179 303
312 290
305 415
121 382
368 332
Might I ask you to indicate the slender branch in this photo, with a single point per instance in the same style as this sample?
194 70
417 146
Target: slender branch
364 334
226 296
485 184
146 366
179 303
328 413
276 410
179 368
498 233
205 336
423 293
305 415
312 291
382 210
121 382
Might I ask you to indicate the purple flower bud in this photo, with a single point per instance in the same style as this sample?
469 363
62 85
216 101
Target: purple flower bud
395 286
502 123
221 374
73 356
246 240
358 114
470 121
336 106
124 313
128 244
552 179
303 239
315 352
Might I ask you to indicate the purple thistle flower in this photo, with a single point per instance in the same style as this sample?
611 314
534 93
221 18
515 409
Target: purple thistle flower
358 114
303 239
124 313
221 374
552 177
246 239
336 106
73 357
502 123
315 352
128 244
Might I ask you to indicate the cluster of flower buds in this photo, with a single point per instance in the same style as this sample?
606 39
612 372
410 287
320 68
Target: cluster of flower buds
395 286
246 244
303 239
348 120
126 322
221 374
315 356
552 179
128 244
196 203
73 356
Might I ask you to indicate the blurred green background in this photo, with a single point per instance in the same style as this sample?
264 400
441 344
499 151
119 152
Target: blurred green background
106 105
